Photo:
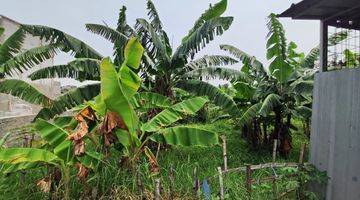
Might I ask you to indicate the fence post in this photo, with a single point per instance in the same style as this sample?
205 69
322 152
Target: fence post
172 181
196 183
157 195
302 153
223 137
300 189
221 183
248 179
274 151
139 185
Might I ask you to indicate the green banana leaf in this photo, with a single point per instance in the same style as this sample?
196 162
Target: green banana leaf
186 136
173 114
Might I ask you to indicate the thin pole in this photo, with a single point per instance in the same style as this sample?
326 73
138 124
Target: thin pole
157 195
302 153
248 179
223 137
274 151
196 182
172 181
221 183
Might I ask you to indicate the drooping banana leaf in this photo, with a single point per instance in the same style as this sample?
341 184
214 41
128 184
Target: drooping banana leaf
186 136
69 100
150 100
56 137
19 155
174 113
215 95
24 91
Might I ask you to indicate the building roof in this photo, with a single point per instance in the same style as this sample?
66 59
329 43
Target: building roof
339 13
9 19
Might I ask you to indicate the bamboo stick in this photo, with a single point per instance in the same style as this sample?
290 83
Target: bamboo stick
223 137
172 181
221 183
302 153
157 194
196 183
248 179
274 151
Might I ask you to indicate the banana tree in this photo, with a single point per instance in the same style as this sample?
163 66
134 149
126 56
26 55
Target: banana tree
161 69
271 96
119 105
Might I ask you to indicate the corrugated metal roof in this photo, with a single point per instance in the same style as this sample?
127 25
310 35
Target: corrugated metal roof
335 12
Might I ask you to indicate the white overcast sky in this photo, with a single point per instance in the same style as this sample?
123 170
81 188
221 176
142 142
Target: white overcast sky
247 32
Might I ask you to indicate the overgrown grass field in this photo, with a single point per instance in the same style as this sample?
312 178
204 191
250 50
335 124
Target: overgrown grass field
116 183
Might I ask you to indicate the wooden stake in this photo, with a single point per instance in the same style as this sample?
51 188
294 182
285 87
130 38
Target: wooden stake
274 151
158 150
172 181
223 137
140 185
248 179
221 183
196 183
302 153
157 195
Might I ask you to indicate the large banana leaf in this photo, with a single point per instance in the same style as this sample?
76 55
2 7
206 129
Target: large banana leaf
173 114
29 58
250 114
56 137
248 61
150 100
24 91
51 133
80 69
70 44
215 95
211 61
269 103
133 53
71 99
244 90
154 43
217 72
276 51
11 46
202 36
214 11
107 32
186 136
154 16
24 158
113 95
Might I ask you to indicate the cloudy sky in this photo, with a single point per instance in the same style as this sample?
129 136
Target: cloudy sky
247 32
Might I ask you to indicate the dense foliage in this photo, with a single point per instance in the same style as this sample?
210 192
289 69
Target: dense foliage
143 99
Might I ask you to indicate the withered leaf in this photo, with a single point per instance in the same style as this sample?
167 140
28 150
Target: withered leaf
79 147
109 138
83 172
86 113
112 120
81 130
44 184
154 166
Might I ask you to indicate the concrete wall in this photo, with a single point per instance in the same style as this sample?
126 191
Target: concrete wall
10 123
12 106
335 137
